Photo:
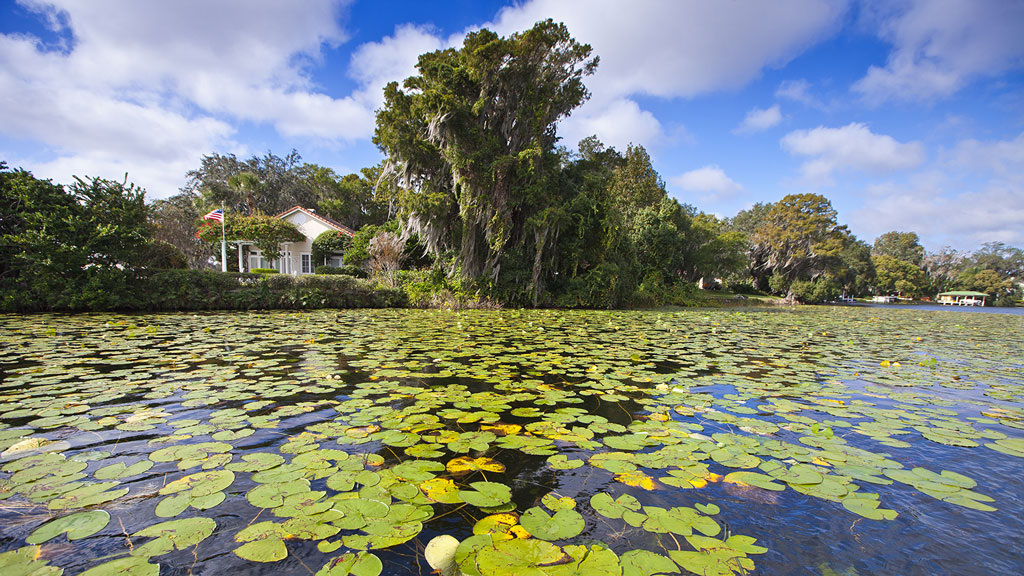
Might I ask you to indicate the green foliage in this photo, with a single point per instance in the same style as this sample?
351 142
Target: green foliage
821 289
358 252
799 237
264 271
170 290
173 221
898 276
991 282
355 271
470 141
161 254
269 183
329 243
266 232
68 244
352 199
905 246
857 273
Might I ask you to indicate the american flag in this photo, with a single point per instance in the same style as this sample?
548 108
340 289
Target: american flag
217 215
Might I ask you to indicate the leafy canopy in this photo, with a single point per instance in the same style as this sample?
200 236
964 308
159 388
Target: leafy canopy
469 140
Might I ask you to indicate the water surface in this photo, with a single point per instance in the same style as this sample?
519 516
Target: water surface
846 440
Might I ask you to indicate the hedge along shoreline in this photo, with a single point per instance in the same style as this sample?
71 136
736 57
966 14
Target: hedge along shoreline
185 290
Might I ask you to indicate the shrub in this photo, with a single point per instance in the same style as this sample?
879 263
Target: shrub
822 289
329 243
354 271
170 290
264 271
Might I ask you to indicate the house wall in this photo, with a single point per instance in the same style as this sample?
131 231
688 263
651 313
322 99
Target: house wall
310 228
293 251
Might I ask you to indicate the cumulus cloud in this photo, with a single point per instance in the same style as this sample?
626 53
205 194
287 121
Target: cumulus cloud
853 147
938 47
798 91
1001 157
394 58
709 180
147 88
618 122
971 194
759 120
676 49
992 211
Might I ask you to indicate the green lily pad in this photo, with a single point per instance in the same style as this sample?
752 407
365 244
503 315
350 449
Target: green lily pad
77 525
175 534
679 520
625 507
867 506
264 542
520 557
753 479
486 494
562 462
119 470
646 563
563 524
358 564
25 561
128 566
201 483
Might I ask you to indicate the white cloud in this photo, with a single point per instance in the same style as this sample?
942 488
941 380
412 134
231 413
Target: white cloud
1002 157
683 48
971 194
851 147
394 58
675 49
617 123
710 180
147 88
798 91
759 120
963 218
940 46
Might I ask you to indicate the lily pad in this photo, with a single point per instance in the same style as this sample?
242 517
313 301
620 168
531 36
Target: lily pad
175 534
264 542
486 494
26 561
520 557
78 525
563 524
357 564
128 566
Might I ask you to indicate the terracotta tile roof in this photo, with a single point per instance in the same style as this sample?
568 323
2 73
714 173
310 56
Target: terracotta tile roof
332 223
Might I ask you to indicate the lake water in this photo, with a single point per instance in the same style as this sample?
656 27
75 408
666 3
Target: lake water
1018 311
818 440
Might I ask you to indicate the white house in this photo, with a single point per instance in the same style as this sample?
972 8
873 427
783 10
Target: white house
297 257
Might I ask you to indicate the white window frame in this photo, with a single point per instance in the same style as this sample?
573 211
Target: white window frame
306 263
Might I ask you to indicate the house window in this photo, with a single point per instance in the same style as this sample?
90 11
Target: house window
282 264
307 263
255 260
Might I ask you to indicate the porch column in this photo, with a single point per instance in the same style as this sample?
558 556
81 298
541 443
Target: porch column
241 268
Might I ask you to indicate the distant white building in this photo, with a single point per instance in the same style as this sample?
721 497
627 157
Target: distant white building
296 257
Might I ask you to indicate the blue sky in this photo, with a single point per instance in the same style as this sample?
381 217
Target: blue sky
908 115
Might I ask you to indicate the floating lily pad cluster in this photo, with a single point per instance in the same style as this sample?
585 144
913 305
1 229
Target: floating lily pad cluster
353 432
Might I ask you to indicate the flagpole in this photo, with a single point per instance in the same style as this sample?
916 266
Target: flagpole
223 241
